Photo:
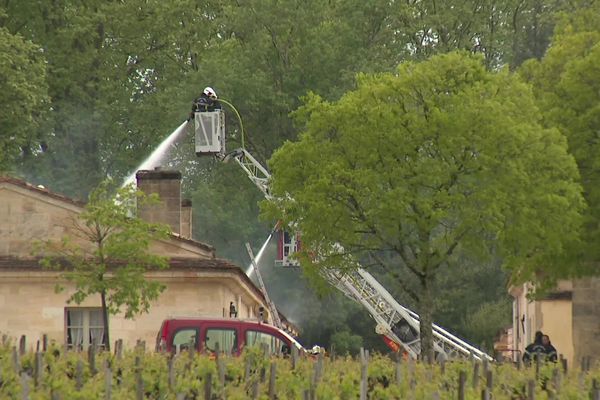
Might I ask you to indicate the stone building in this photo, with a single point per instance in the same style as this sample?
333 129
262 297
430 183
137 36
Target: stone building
570 316
197 283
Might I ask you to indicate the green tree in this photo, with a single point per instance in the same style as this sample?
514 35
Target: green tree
108 254
23 95
483 324
345 342
566 83
414 166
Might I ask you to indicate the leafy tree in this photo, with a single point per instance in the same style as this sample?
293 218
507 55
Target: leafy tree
108 254
345 342
23 95
484 323
414 166
566 83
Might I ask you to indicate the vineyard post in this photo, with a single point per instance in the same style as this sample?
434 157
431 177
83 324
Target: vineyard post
485 365
139 383
107 382
272 377
119 349
595 390
263 375
79 375
364 355
581 379
563 362
475 375
208 386
318 373
556 379
25 386
398 369
221 371
462 378
255 390
171 363
22 344
92 357
294 357
531 389
332 352
443 366
247 369
485 394
15 360
489 380
44 342
192 351
38 369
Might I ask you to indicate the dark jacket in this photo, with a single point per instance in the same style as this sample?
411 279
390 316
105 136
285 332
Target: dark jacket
550 352
533 349
204 104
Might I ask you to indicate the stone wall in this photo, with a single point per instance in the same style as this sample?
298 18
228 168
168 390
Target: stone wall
586 319
30 215
30 306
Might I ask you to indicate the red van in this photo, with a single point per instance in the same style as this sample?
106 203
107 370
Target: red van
228 335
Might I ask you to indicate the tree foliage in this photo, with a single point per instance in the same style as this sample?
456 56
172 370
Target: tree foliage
438 157
567 86
23 95
107 254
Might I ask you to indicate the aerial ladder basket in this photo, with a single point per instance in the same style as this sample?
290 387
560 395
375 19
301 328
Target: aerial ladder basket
209 133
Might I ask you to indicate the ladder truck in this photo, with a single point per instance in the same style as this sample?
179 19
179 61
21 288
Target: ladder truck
398 325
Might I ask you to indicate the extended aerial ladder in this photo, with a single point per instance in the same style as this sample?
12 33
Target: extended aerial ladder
398 325
263 288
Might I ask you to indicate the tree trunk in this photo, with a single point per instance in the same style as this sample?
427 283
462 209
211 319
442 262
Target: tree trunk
105 320
426 314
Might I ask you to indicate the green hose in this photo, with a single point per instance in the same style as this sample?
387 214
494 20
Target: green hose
239 118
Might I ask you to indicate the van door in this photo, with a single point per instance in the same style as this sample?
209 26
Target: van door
222 339
275 345
185 338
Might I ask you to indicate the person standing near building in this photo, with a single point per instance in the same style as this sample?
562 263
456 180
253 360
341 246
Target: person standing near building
534 348
549 350
232 310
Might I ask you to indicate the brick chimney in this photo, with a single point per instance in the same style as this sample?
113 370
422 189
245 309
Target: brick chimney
167 184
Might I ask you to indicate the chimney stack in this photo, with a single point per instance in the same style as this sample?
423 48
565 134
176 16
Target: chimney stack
167 184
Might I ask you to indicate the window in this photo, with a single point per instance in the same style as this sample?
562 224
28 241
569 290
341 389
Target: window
223 339
84 326
184 339
274 345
